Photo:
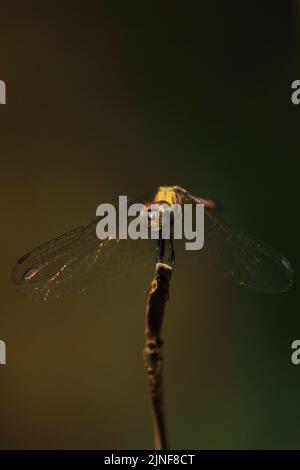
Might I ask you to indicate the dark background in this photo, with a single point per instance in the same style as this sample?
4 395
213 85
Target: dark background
108 98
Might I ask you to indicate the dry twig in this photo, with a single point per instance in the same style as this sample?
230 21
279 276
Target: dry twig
158 294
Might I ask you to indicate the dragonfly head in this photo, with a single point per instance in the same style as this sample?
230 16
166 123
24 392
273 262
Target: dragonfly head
154 212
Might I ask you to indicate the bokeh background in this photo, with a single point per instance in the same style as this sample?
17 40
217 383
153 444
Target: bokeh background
108 98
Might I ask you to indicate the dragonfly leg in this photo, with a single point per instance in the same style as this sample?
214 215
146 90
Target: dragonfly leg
160 249
171 259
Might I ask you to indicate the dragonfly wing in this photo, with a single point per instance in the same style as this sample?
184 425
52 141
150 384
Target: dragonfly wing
243 260
75 260
56 255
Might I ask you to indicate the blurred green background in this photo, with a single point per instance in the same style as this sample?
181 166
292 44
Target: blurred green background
108 98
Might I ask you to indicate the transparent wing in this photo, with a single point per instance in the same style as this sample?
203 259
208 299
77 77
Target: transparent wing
243 260
56 256
77 259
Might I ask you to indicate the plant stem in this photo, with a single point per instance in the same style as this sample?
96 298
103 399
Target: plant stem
158 294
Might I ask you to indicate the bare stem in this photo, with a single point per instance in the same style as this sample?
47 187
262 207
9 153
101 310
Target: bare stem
158 294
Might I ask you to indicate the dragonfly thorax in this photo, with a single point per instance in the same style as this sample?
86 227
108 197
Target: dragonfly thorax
172 195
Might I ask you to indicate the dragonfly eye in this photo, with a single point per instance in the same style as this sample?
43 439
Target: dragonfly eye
151 218
154 215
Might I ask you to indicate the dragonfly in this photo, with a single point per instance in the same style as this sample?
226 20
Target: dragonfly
81 254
